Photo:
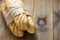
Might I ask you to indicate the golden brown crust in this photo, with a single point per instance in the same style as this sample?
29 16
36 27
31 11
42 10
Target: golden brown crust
3 8
20 23
25 22
31 26
15 30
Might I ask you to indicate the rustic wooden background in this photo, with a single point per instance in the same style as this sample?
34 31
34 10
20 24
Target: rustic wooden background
37 8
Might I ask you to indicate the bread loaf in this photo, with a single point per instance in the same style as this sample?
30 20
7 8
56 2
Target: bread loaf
17 19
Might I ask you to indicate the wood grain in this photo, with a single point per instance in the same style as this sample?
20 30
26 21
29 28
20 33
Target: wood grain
38 9
59 21
44 7
56 33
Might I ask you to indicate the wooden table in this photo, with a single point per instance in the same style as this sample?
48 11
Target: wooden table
36 8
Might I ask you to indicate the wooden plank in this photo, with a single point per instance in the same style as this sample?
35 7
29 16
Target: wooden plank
43 7
59 20
55 20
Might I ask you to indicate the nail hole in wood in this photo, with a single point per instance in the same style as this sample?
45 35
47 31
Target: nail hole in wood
41 22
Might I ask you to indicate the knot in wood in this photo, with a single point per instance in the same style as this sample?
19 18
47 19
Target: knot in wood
41 22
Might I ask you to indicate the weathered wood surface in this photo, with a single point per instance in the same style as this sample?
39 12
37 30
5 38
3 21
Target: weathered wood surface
56 34
44 7
56 20
37 8
59 20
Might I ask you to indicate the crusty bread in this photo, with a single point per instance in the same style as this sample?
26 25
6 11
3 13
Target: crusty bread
21 22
